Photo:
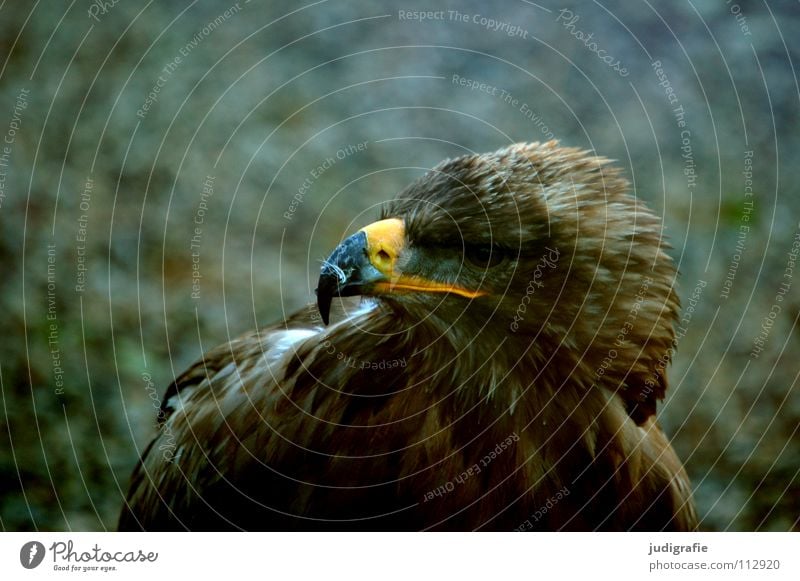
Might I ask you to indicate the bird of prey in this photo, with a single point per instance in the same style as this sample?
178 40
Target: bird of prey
486 356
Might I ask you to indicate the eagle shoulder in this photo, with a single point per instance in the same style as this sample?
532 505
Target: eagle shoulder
208 417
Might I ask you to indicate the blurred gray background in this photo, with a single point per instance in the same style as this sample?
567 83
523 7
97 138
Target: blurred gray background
161 191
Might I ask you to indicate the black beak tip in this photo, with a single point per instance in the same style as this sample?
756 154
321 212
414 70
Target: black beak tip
341 273
327 288
324 306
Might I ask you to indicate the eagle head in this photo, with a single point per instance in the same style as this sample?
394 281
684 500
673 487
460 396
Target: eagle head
527 252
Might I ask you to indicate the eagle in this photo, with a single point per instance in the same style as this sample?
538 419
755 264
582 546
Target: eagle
487 355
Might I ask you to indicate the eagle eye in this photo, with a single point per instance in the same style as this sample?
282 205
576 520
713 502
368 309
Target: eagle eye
484 256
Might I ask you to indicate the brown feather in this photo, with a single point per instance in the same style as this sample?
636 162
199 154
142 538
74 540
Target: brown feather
550 426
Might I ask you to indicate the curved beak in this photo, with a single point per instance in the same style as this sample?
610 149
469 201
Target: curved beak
366 263
360 262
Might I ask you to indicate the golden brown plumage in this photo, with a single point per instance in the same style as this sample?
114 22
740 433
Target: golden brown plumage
500 371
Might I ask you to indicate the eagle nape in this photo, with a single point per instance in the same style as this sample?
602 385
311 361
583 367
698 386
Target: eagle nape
503 375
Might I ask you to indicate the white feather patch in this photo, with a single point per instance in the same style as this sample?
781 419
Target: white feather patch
285 341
